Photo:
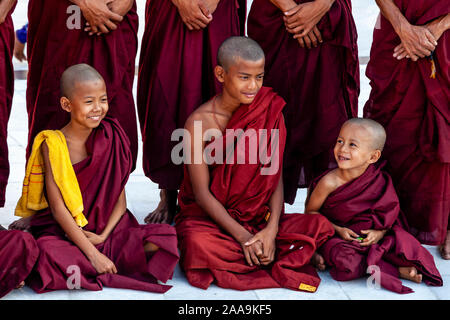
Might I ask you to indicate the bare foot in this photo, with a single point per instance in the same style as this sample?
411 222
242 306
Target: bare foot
166 209
410 273
20 285
318 261
2 228
21 224
444 248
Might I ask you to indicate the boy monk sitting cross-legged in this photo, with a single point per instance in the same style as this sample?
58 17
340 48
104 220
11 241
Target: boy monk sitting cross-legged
232 229
74 193
361 202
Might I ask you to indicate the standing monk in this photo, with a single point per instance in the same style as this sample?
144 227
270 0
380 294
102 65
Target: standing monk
6 87
57 40
312 62
409 70
178 56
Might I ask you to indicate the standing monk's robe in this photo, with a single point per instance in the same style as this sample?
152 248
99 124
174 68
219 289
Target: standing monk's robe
414 109
6 95
176 75
320 86
53 47
18 254
208 253
102 177
370 202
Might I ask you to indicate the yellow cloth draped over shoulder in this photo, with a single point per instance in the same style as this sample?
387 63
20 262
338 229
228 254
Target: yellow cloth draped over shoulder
33 197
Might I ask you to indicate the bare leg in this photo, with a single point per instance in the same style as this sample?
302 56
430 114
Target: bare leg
166 209
410 273
21 224
444 248
318 261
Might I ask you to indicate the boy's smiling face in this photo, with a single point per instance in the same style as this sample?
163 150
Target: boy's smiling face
242 80
88 103
354 147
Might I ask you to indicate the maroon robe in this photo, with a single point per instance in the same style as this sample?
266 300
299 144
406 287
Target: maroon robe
320 86
102 177
6 95
370 202
18 254
209 254
53 47
176 75
414 109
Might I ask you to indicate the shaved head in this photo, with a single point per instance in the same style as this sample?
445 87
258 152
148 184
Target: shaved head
76 74
238 47
377 134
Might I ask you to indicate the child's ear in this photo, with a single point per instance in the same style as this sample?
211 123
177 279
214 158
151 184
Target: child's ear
375 156
65 104
219 72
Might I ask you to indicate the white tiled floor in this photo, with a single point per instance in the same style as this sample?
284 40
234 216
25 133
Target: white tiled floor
143 196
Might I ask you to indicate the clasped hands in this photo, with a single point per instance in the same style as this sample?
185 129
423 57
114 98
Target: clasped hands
196 14
302 20
103 16
372 236
259 249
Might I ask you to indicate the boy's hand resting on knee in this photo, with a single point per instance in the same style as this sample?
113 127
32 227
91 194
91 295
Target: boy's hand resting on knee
102 263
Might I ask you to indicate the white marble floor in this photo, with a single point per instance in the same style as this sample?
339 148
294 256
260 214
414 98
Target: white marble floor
143 196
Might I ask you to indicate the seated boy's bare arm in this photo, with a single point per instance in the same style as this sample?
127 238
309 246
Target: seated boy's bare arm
324 187
200 180
60 212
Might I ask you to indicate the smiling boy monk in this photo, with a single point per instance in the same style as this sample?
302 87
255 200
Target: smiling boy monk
361 202
232 229
74 193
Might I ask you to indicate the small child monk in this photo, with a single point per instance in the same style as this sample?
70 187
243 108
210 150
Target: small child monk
74 198
232 229
360 201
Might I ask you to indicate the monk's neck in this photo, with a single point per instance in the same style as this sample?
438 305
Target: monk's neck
351 174
76 133
227 104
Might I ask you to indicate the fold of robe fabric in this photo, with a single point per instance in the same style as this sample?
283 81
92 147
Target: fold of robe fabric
320 86
102 177
208 253
175 77
18 254
56 41
414 109
370 202
6 95
33 194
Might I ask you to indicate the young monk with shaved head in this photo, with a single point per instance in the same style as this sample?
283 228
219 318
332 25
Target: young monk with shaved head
232 228
75 200
360 201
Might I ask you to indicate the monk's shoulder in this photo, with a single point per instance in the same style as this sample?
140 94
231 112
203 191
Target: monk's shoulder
329 182
202 115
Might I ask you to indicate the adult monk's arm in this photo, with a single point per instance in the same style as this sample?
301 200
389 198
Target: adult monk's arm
62 216
116 214
5 7
418 41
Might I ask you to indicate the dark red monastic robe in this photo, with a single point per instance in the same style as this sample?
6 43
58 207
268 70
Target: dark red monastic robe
102 177
208 253
53 47
6 95
175 77
18 254
414 109
320 86
370 202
